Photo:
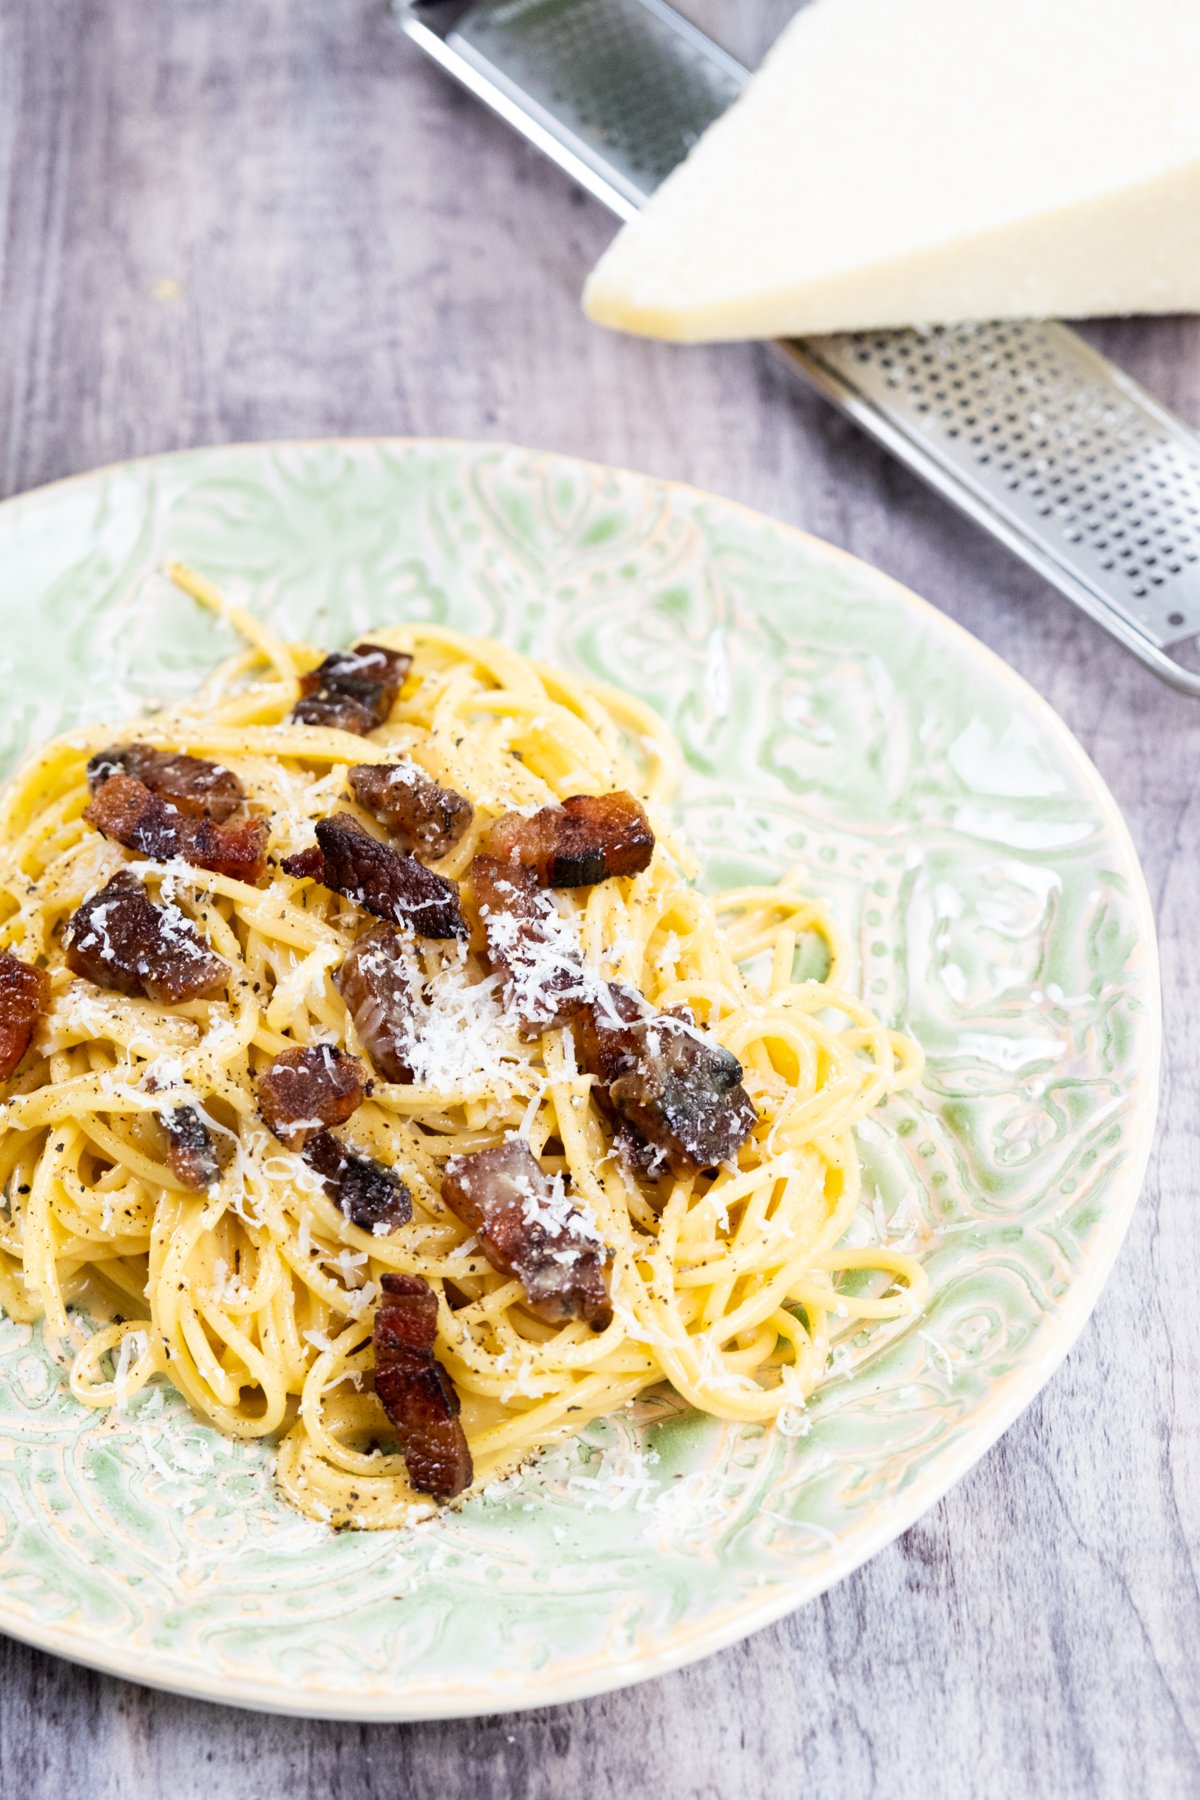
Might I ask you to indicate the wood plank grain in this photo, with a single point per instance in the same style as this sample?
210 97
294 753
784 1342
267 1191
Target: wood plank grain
256 218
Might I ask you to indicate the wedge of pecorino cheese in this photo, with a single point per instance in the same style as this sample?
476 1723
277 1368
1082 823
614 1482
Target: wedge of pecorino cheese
910 162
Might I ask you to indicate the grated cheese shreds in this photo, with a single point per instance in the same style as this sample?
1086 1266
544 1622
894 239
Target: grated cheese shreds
459 1034
133 1345
555 1213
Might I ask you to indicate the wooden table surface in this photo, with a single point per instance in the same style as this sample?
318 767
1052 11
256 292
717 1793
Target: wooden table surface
236 219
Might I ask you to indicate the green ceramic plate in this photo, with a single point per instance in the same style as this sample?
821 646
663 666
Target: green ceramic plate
828 717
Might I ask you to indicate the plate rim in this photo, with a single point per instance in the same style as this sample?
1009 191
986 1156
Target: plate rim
684 1644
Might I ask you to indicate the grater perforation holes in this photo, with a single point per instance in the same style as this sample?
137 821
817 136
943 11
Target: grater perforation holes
628 86
1090 465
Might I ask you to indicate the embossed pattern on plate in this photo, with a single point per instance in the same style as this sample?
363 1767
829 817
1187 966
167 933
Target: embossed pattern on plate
997 911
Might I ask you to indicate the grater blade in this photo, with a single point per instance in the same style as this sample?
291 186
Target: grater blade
1023 426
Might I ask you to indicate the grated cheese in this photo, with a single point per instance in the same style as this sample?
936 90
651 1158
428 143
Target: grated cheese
457 1033
133 1346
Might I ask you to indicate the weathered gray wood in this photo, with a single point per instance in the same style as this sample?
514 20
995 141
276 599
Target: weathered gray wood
359 249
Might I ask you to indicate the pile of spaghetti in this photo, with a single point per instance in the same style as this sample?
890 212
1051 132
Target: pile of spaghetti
254 1290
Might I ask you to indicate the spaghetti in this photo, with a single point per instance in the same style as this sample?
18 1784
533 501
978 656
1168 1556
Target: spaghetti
255 1297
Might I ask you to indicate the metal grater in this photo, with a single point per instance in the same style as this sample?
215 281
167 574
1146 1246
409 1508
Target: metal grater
1028 430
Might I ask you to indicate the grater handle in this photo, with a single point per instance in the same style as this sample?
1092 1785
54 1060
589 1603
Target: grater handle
1023 426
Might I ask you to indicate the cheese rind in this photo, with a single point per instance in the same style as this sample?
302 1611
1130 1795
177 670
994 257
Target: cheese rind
905 162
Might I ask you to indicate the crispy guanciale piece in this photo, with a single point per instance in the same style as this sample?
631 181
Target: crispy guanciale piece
668 1083
120 939
352 690
541 966
127 811
200 788
305 865
423 817
375 980
640 1158
529 1229
24 997
308 1088
386 882
415 1391
608 1038
583 841
191 1153
372 1196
